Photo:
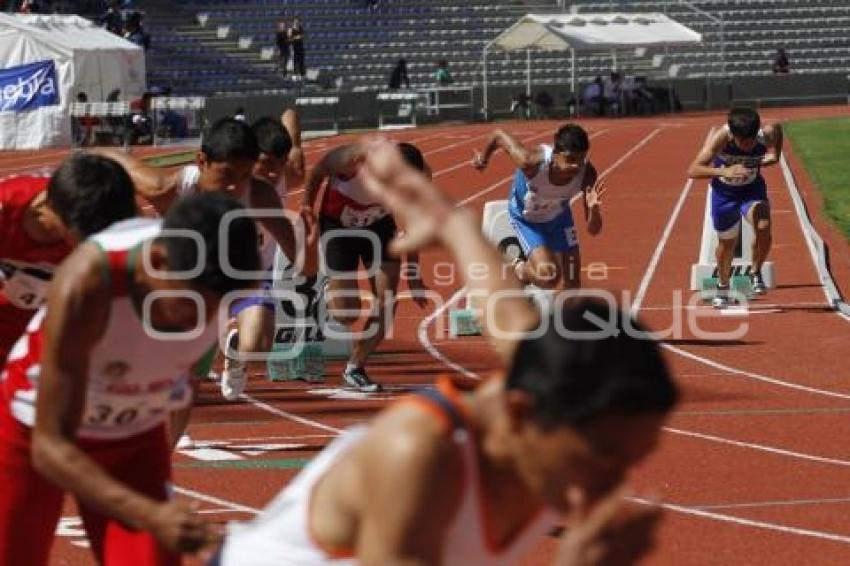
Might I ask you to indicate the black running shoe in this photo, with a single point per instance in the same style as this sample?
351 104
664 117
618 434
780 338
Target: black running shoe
759 288
358 379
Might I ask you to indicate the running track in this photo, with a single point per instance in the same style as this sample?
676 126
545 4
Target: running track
753 467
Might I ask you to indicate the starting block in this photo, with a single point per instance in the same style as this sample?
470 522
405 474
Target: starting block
706 267
497 229
463 322
739 285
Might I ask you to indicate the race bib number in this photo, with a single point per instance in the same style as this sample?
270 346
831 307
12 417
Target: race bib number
746 180
117 411
25 291
539 209
351 218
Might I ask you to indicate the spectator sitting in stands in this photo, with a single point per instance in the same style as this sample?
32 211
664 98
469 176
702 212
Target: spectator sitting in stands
399 75
612 93
542 104
27 7
591 98
781 65
442 76
520 106
83 127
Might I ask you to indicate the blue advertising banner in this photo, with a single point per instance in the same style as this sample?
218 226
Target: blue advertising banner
27 87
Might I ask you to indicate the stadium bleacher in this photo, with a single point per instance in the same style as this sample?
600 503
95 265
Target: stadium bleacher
225 46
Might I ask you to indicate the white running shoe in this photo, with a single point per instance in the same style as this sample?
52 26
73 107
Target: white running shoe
233 379
185 442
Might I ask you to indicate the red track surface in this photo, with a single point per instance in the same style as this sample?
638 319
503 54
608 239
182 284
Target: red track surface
758 444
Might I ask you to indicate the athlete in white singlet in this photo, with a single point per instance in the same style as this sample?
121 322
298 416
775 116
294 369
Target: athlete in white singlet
456 477
90 387
547 180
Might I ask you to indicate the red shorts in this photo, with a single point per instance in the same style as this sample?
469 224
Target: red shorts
30 506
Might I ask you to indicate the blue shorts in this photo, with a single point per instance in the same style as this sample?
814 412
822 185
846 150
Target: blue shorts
259 298
558 235
729 205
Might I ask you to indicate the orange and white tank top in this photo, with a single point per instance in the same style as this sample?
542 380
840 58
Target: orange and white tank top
281 534
134 374
348 202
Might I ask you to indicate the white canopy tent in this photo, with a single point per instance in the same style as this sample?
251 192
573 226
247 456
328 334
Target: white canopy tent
73 55
588 32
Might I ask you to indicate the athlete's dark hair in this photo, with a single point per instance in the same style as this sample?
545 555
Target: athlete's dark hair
90 192
744 122
412 156
571 137
573 377
204 214
230 139
272 137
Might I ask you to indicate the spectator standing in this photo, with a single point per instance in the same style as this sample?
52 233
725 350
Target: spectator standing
442 76
281 39
296 40
591 98
399 75
781 65
134 32
112 19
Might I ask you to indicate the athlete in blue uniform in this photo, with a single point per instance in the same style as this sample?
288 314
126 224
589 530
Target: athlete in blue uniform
732 158
546 182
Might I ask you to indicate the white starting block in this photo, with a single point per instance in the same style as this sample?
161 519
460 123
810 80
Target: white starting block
322 110
397 110
497 228
706 268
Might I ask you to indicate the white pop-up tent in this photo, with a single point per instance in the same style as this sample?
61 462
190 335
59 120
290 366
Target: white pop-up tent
45 61
588 32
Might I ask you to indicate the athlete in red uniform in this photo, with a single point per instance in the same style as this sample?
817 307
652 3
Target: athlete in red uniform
40 220
91 385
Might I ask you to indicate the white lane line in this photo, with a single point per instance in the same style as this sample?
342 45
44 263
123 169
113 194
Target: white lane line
746 522
286 415
759 447
216 500
774 503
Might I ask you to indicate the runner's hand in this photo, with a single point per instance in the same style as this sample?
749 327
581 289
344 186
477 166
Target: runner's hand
179 528
478 161
414 201
737 171
593 195
609 532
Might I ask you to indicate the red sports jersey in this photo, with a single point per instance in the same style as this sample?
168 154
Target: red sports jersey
25 265
350 204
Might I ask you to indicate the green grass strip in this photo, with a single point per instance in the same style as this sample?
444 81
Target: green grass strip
171 159
824 148
276 464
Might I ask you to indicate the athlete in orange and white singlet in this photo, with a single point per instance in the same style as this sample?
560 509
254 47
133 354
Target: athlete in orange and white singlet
456 477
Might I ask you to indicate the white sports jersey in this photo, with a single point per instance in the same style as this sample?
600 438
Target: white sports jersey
135 378
268 246
280 535
537 199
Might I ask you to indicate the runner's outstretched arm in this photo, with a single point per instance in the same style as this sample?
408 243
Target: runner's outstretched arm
523 158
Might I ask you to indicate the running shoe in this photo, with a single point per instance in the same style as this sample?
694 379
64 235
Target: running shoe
233 379
358 379
721 298
757 281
